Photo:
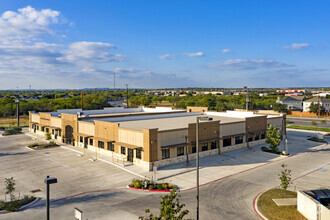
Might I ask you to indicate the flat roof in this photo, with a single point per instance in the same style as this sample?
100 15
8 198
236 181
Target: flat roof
171 123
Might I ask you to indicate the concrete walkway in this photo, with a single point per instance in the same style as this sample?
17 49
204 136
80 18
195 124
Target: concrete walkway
212 168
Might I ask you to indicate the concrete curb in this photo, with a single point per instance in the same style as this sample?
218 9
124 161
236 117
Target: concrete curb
255 206
150 190
31 203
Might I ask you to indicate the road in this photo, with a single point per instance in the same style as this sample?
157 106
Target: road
96 188
307 122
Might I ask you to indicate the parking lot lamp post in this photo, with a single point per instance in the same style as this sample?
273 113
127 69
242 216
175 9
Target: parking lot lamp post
201 118
48 181
17 111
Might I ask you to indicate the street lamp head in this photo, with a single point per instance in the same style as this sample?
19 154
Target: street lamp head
50 180
17 100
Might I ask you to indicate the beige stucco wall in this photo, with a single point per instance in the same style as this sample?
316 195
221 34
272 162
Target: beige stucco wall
86 128
232 128
166 138
56 122
277 122
130 137
35 118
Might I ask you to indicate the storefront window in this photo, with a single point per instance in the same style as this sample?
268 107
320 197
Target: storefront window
180 151
165 153
138 154
227 142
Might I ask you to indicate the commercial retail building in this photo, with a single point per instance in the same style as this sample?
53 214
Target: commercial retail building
148 137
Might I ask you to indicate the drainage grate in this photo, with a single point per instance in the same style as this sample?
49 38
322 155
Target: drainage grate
36 190
323 170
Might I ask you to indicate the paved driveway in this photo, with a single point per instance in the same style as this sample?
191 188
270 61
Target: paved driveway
245 173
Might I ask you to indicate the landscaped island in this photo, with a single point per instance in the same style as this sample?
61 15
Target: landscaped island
149 185
37 146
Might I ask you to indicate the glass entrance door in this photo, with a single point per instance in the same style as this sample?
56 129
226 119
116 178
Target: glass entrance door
130 155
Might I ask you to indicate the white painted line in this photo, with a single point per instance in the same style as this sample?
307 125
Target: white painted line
108 162
72 150
30 148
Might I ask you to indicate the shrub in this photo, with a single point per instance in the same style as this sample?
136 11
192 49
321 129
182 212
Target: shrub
264 148
2 205
52 143
323 122
159 186
151 187
314 123
137 184
12 206
48 136
33 145
13 130
164 185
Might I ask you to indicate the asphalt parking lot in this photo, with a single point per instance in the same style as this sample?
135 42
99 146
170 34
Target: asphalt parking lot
99 189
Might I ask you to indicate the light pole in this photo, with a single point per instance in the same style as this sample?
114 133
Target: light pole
126 95
48 181
17 111
200 118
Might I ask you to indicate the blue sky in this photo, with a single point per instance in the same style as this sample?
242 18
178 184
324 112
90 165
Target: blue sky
157 44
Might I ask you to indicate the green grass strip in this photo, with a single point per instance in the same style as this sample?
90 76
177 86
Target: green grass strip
309 128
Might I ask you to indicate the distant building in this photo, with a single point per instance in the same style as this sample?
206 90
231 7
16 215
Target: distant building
322 94
323 102
293 102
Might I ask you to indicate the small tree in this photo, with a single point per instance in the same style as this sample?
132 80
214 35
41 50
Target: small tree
170 208
285 177
314 123
314 108
273 138
10 187
48 136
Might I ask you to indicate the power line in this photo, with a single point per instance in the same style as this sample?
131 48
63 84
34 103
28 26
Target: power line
126 95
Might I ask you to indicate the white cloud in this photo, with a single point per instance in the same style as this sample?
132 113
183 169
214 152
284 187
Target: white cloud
296 46
26 23
90 52
226 51
166 57
197 54
248 64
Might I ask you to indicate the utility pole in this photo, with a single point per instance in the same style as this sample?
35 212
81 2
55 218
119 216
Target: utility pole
114 81
247 98
127 95
319 104
17 111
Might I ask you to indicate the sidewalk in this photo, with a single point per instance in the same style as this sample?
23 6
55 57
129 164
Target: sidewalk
212 168
91 155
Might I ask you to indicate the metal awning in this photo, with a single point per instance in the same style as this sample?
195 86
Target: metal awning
174 145
233 135
253 132
83 135
103 139
56 128
128 145
207 140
